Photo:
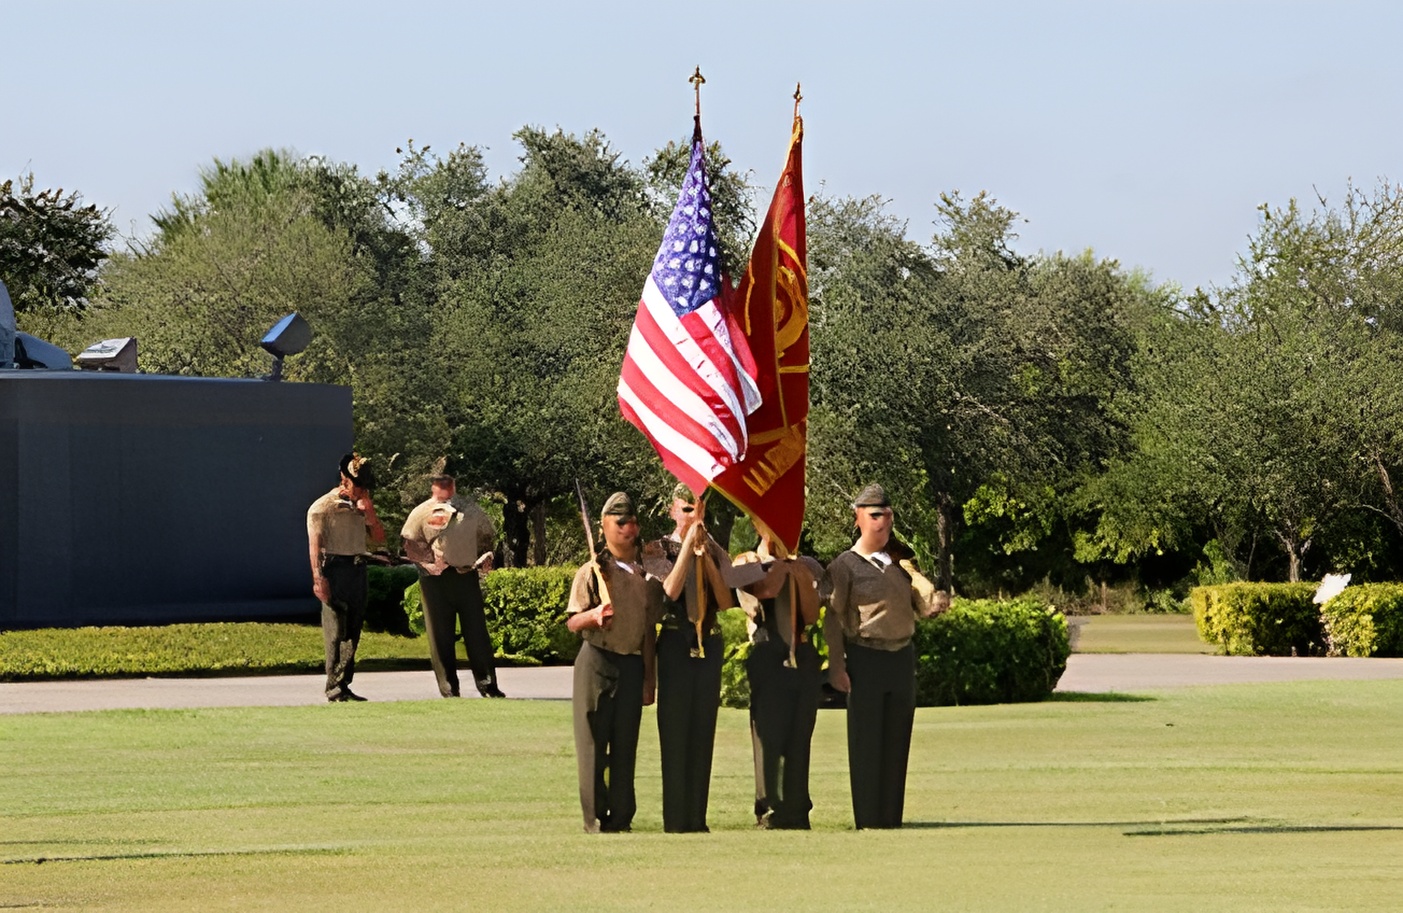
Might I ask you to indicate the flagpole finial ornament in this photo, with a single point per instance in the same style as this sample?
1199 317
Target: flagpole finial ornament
798 97
697 80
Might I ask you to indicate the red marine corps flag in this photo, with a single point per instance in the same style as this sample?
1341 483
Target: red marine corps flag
688 379
772 305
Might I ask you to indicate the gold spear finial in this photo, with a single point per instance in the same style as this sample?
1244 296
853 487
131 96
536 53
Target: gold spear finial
696 79
798 97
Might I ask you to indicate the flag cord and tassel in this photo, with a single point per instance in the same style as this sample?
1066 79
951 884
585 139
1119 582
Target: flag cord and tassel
699 570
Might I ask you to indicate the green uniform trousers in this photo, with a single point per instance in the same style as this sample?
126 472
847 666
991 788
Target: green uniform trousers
343 616
453 600
608 710
881 711
689 696
783 710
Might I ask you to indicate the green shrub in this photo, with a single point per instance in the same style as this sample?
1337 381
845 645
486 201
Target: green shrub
735 685
384 605
526 612
1366 620
986 652
1259 619
525 609
980 652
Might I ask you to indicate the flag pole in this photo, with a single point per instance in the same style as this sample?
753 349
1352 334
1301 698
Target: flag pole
697 80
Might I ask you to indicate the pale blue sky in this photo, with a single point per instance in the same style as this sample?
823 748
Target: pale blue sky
1148 132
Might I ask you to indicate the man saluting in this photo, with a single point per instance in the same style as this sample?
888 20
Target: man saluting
338 524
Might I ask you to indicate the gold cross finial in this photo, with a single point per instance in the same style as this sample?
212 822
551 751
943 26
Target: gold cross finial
696 79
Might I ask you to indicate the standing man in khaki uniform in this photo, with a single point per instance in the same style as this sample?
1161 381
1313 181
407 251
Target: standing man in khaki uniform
875 594
450 539
614 672
338 525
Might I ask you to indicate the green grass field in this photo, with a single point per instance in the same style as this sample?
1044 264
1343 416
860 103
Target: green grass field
1138 634
1243 798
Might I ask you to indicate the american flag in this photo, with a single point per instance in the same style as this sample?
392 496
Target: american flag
688 379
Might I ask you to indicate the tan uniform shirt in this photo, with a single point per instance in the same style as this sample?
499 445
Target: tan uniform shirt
876 606
637 598
662 555
339 523
783 622
457 530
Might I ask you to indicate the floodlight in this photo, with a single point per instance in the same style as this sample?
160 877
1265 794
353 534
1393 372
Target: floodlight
288 336
117 355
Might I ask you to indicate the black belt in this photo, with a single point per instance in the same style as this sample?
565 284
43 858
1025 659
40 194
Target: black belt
328 560
673 624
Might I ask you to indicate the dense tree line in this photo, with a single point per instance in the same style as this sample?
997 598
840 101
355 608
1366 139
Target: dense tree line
1037 418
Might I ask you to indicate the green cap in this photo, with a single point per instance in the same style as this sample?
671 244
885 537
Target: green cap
618 505
681 492
873 495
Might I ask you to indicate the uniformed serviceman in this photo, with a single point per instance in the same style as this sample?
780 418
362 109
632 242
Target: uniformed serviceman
450 539
690 655
875 594
785 686
338 526
614 671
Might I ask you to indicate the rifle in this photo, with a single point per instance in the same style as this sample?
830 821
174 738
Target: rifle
593 555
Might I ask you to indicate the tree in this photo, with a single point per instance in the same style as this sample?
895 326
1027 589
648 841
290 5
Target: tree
537 281
268 236
1266 408
51 246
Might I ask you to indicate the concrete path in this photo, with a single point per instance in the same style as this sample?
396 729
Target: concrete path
1087 672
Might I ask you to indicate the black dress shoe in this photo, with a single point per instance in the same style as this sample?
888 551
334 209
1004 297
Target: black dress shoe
345 695
491 691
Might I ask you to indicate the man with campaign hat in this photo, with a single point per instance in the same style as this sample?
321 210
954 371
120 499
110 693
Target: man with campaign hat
875 594
339 523
614 606
450 539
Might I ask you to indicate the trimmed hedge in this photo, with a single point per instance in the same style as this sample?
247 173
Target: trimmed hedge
980 652
525 609
1365 620
984 651
385 588
1260 619
735 684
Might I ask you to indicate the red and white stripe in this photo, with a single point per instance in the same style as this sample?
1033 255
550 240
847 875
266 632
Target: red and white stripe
687 387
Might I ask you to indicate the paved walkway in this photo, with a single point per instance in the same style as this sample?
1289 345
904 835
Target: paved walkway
1085 672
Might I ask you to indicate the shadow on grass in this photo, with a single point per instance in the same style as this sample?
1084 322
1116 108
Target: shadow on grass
1099 697
1188 827
1170 830
955 825
177 854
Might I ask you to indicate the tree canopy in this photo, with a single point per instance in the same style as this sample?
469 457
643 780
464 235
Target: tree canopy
1036 418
